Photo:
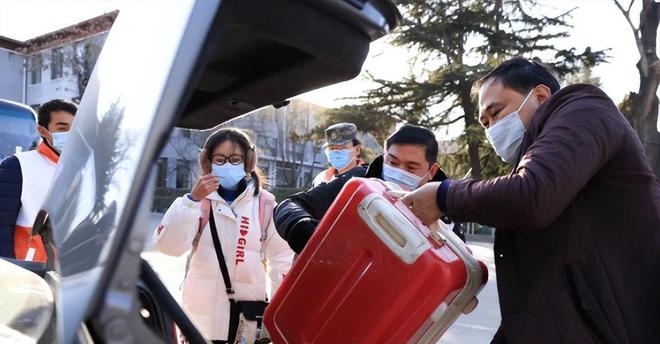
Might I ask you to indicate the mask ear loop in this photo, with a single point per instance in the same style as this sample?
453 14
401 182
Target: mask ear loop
251 157
252 175
525 101
424 176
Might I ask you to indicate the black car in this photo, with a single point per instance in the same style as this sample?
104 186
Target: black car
192 64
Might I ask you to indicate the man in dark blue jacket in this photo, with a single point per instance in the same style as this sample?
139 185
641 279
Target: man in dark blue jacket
24 181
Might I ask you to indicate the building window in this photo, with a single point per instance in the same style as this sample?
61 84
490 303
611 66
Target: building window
320 157
161 179
267 145
35 69
56 63
299 152
295 152
308 179
182 174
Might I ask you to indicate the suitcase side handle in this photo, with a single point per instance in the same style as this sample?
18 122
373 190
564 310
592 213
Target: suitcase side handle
397 232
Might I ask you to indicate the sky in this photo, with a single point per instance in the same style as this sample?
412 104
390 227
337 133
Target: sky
596 23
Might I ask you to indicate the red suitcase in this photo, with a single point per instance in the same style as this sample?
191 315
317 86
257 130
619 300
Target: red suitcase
373 273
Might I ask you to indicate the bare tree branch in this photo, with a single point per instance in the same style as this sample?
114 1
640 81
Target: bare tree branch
638 39
626 14
450 121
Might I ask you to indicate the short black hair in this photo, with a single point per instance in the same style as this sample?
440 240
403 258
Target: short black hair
54 105
521 75
414 135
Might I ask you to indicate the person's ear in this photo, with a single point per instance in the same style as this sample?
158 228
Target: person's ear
434 169
542 93
45 134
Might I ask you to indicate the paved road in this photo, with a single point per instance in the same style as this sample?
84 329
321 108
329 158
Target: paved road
475 328
479 326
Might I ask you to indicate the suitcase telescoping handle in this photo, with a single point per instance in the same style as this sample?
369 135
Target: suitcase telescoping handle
394 231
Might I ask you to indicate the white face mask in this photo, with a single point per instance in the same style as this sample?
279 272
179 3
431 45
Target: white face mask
60 139
401 177
507 134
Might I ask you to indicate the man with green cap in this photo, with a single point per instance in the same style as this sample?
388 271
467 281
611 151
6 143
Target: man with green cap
343 151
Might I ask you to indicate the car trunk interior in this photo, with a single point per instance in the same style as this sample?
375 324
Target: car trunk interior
263 52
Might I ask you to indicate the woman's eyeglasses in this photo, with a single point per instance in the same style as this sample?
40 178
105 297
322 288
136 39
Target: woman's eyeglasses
234 159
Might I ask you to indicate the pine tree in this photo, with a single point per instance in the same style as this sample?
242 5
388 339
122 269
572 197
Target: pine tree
458 41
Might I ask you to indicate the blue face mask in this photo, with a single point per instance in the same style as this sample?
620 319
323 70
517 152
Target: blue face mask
230 175
60 139
339 158
403 178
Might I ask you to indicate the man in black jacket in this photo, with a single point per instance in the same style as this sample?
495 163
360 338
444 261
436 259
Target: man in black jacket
409 160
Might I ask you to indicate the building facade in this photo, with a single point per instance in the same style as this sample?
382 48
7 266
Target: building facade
12 74
55 65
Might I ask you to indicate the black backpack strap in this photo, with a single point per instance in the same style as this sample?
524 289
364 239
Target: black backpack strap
220 256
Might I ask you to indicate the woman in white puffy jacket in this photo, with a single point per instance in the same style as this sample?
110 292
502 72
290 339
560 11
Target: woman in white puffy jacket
232 188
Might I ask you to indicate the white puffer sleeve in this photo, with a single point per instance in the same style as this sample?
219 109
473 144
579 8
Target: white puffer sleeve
177 230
